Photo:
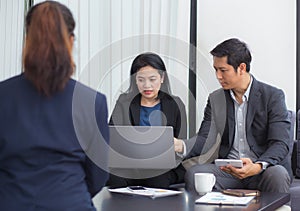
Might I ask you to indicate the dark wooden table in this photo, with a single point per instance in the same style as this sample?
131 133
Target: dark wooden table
107 201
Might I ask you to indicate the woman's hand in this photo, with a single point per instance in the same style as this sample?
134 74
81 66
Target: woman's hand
178 145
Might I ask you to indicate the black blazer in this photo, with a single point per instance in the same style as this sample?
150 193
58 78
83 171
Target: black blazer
267 124
49 146
127 112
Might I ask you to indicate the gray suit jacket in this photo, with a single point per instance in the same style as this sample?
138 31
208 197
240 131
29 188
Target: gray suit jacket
267 125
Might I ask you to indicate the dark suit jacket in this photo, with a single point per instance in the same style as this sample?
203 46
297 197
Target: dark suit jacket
44 143
267 125
127 112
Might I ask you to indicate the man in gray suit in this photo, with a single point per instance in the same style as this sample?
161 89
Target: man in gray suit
251 119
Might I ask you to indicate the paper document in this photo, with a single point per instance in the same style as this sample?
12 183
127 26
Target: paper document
222 199
150 192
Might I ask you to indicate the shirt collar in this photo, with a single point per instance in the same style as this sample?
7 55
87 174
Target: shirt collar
246 94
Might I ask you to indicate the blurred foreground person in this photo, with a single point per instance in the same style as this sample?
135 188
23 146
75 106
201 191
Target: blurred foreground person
54 133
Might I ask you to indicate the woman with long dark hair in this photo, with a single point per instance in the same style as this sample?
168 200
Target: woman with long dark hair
149 102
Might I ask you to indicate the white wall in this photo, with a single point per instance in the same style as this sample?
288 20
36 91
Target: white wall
269 29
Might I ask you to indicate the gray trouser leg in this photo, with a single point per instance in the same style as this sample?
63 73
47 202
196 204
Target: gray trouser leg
275 179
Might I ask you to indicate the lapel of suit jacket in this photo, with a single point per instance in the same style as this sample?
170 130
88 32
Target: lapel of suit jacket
230 117
254 97
134 110
166 110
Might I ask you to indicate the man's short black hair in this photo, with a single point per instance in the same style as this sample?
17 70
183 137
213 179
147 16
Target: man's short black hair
236 51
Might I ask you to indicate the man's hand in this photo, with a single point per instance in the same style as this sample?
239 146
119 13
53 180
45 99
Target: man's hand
178 145
249 169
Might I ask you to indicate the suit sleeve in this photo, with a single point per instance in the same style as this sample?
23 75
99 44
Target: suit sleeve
195 144
116 117
181 121
97 155
277 130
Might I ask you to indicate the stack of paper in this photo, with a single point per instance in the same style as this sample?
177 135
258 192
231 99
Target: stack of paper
151 192
222 199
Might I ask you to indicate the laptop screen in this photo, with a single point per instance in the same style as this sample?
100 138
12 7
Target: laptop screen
141 147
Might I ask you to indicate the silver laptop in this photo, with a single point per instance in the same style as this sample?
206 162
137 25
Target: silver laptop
141 147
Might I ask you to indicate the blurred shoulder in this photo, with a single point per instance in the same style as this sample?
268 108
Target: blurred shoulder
83 91
127 97
12 81
172 99
15 85
217 91
266 89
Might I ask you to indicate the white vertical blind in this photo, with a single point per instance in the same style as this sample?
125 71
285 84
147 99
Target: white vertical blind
11 37
110 33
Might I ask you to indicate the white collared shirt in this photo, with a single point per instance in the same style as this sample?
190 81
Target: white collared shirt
240 147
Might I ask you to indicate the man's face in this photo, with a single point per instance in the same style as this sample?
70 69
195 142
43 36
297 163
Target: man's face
225 73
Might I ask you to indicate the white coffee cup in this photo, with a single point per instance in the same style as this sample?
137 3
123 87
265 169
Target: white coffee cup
204 182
